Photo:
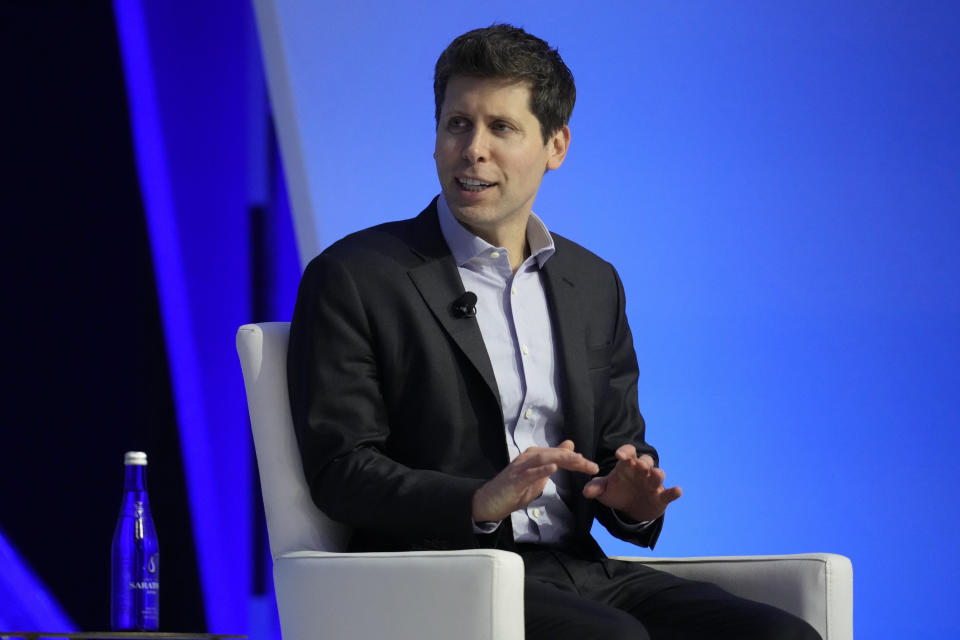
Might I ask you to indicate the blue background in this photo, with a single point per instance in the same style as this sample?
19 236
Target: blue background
777 184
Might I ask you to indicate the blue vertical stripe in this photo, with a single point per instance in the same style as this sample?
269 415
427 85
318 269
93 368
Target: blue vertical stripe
187 115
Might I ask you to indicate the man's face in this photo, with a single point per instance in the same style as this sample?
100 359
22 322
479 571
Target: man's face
490 153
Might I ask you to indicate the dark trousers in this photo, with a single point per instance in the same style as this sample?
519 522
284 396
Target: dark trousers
568 596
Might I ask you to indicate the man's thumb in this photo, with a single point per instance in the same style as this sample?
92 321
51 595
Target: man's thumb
594 488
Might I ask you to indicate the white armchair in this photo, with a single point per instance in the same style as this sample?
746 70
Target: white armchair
475 594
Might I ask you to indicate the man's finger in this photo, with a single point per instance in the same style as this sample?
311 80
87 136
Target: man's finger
579 464
594 488
671 494
563 458
626 452
538 473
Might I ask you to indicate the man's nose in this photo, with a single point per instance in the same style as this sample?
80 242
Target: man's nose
476 148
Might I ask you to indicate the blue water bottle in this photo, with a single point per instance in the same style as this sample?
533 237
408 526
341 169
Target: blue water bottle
135 555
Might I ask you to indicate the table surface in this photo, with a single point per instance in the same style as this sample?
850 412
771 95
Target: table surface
114 635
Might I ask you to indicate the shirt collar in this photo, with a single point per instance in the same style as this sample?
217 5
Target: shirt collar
465 246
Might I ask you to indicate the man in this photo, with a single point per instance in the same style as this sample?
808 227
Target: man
454 377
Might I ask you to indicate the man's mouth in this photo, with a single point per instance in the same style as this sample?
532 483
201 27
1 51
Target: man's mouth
471 184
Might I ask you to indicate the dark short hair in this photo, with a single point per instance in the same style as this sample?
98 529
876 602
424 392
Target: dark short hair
505 51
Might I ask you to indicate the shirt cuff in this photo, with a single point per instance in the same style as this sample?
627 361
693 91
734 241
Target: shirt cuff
485 527
631 526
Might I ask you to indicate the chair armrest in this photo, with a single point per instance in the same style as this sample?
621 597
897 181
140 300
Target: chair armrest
817 587
474 594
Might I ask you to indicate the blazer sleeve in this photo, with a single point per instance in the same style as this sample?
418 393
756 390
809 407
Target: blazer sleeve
342 423
619 420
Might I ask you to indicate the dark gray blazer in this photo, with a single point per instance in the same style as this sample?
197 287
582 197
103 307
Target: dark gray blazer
394 399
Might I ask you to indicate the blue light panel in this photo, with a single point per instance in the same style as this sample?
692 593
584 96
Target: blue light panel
777 184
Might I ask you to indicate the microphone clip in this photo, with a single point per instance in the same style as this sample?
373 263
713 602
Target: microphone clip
465 306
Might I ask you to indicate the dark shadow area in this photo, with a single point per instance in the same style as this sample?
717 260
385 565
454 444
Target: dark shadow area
86 371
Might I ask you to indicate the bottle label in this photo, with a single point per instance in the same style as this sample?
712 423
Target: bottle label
135 602
145 586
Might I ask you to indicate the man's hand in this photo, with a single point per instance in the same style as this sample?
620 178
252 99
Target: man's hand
634 487
523 480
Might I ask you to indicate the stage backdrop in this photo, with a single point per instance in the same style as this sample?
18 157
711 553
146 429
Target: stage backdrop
777 184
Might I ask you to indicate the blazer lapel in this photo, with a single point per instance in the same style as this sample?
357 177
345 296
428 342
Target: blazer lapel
438 281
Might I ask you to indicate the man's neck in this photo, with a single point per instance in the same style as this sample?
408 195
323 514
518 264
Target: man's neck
512 237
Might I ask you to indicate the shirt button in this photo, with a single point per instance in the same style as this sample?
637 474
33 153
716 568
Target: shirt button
536 513
528 413
495 255
513 291
525 350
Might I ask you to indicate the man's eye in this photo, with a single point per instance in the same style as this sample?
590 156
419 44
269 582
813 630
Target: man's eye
456 124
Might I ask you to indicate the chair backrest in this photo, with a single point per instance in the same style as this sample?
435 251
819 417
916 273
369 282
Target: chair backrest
293 521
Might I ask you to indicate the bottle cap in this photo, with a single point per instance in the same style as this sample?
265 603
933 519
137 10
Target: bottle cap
135 457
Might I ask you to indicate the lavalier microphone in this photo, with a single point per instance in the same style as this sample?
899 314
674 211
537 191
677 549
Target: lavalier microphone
465 306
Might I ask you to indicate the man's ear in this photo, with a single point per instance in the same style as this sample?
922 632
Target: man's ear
558 144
